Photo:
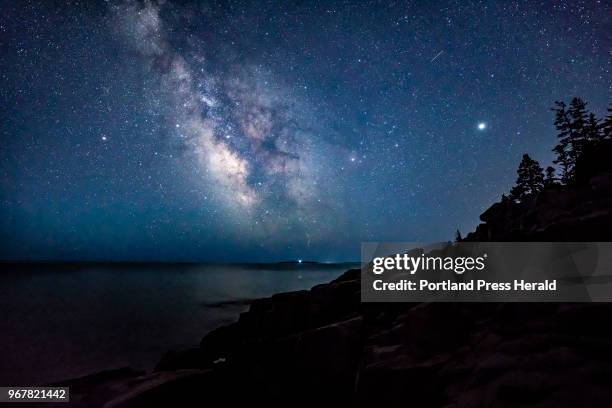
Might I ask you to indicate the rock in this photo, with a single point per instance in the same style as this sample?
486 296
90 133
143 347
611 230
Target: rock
126 387
496 211
170 388
173 360
601 185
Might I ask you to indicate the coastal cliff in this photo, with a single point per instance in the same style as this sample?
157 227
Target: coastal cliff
580 211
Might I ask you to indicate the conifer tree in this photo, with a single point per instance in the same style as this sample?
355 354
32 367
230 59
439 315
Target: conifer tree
530 180
592 130
562 149
550 176
606 125
575 129
578 135
517 193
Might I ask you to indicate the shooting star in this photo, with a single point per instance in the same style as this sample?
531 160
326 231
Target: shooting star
437 55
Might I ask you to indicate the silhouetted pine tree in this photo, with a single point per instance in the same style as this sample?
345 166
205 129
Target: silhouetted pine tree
517 193
458 236
592 130
606 125
530 180
578 136
550 176
562 149
576 128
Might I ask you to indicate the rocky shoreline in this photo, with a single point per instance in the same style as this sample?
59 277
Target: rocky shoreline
324 346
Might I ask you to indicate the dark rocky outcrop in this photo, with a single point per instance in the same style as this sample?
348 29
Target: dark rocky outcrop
425 355
578 212
128 388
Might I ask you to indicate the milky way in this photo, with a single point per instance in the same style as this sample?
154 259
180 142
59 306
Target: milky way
245 135
235 130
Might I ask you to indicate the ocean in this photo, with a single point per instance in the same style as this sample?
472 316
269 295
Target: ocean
60 321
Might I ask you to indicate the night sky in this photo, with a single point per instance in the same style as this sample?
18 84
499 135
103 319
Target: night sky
233 131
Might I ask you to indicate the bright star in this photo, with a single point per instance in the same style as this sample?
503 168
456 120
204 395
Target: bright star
482 126
104 138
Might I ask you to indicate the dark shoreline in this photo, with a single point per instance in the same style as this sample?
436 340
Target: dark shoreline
324 344
67 322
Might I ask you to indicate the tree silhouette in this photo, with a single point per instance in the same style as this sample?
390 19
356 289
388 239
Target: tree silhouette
578 136
530 180
550 176
517 193
562 149
576 128
606 125
458 236
592 130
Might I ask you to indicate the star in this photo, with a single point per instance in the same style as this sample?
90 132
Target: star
249 144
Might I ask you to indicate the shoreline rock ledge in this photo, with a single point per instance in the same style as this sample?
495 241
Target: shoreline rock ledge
325 347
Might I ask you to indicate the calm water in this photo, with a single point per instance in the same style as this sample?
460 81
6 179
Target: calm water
63 321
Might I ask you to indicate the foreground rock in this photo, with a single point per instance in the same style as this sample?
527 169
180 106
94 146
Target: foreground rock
126 387
425 355
324 347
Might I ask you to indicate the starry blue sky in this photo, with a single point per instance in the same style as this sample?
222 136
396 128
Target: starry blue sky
233 131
